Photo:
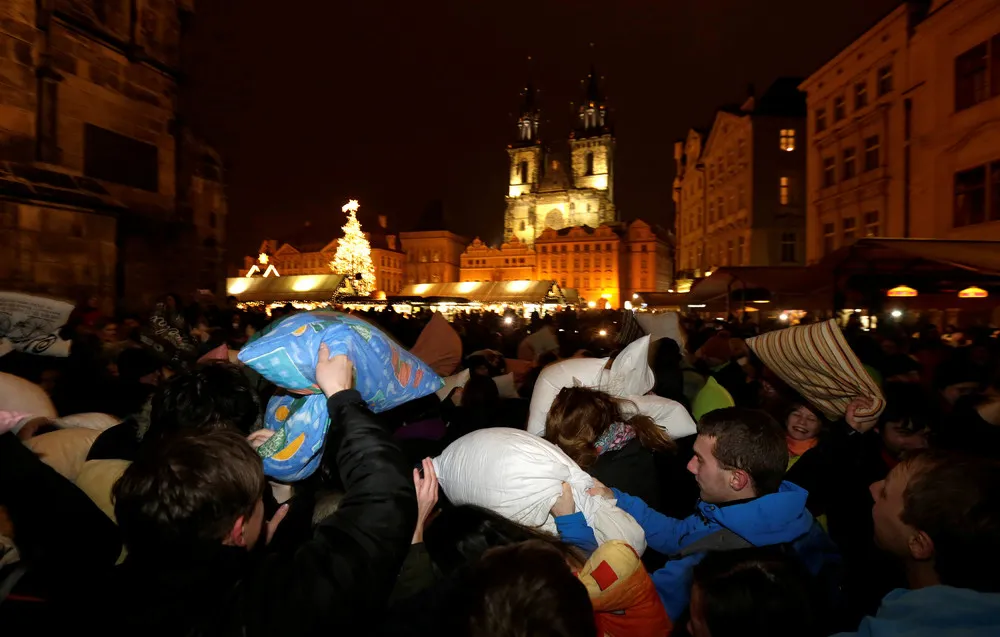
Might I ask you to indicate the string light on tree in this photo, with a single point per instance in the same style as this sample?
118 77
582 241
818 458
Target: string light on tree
354 253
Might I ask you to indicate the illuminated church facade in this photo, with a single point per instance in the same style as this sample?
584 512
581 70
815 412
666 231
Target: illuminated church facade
549 190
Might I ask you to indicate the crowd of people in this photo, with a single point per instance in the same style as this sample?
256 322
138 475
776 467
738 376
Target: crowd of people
774 517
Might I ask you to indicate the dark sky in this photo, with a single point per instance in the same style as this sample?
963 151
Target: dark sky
398 103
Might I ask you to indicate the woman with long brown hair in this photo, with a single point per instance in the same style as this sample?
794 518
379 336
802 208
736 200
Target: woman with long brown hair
609 440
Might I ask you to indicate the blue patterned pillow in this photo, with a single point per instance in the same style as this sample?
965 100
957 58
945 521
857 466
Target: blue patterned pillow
286 353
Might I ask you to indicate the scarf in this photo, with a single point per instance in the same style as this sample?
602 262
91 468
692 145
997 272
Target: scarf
798 447
616 437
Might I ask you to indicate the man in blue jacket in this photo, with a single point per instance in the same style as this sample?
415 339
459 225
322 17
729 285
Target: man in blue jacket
939 513
740 457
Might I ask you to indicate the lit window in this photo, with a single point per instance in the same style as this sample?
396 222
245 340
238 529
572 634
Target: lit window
788 139
783 194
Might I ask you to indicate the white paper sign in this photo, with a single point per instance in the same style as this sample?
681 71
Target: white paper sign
30 324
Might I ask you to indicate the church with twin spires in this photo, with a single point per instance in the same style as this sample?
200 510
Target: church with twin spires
547 189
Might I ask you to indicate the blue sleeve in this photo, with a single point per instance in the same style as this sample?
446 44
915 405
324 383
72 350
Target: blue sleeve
662 533
573 530
673 584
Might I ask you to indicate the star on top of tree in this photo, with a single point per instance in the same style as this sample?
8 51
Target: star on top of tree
351 206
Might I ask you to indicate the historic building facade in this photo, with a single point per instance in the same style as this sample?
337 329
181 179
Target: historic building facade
739 190
545 190
301 255
95 170
606 264
432 256
906 127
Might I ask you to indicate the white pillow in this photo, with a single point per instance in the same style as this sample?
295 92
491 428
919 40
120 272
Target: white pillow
629 375
520 476
669 415
451 382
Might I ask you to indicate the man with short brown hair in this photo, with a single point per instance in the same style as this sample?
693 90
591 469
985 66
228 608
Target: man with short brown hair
939 513
739 462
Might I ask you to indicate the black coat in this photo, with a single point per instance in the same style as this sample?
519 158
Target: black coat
338 579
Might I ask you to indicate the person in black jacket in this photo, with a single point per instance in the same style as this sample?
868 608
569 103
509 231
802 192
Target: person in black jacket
615 447
191 517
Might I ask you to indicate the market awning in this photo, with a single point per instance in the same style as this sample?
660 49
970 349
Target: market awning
880 254
490 291
272 289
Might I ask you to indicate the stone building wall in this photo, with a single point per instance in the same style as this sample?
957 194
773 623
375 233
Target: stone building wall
88 90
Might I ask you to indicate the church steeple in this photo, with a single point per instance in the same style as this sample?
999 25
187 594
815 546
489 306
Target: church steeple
593 116
527 122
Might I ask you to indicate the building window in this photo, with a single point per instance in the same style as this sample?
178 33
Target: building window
783 194
564 248
607 247
48 120
522 226
850 229
741 201
729 252
970 196
829 172
839 108
544 249
590 163
820 120
586 247
740 246
788 139
597 247
120 159
872 224
850 164
829 237
884 80
524 172
788 243
576 247
872 146
711 172
860 95
722 208
586 263
977 74
711 212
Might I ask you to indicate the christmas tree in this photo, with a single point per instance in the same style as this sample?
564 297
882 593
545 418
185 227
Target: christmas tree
354 253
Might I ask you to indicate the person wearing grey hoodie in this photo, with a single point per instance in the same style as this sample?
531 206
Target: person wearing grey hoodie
939 513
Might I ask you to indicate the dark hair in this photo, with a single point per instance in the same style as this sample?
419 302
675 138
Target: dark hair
211 396
908 405
756 591
480 391
187 491
526 590
793 402
579 416
460 535
955 499
749 440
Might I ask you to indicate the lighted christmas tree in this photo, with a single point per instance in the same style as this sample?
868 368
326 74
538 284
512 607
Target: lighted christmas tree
354 253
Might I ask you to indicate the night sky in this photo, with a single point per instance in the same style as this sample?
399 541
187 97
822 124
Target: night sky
398 103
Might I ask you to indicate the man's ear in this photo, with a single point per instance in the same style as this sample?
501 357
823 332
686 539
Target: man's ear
739 480
921 546
237 535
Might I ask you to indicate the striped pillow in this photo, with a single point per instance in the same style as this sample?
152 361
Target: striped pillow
816 361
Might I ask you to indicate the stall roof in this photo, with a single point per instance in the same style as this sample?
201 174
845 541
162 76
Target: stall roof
977 256
490 291
307 287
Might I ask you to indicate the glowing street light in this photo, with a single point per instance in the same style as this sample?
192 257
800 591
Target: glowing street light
508 320
897 313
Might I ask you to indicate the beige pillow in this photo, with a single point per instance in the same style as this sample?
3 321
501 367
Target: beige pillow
64 450
97 478
18 394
